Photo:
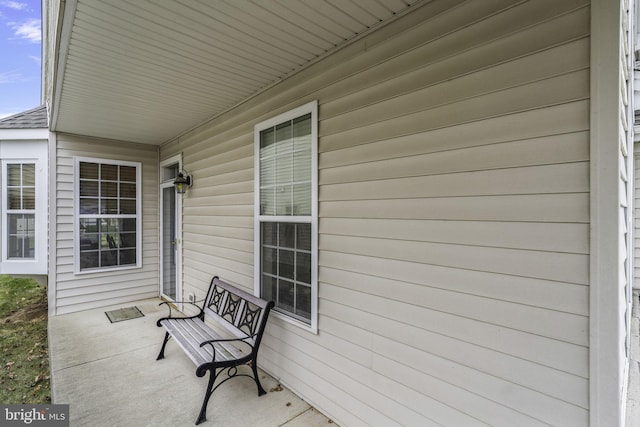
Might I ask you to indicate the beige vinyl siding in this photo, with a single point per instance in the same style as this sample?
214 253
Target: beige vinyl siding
75 292
453 218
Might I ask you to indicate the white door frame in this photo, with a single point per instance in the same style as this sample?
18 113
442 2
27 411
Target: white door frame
168 183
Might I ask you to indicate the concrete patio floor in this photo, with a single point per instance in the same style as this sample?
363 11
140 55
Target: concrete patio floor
108 374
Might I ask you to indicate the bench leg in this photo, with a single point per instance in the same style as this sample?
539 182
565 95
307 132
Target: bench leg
254 368
203 411
164 344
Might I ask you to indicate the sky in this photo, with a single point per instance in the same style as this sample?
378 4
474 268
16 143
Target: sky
20 55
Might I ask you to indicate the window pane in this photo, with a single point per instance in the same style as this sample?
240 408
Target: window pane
303 267
127 257
270 233
287 234
127 240
109 189
15 248
285 264
283 200
128 173
14 175
128 190
89 260
302 164
287 167
109 206
303 237
88 206
88 170
29 174
286 295
302 199
268 172
270 261
110 225
303 301
267 201
284 141
13 223
108 240
127 207
169 173
267 138
14 198
302 130
269 288
128 224
108 258
88 188
21 236
286 255
88 225
28 198
108 172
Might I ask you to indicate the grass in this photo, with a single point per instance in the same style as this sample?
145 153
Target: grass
24 358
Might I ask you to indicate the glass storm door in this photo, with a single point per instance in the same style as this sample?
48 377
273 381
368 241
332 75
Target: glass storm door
170 250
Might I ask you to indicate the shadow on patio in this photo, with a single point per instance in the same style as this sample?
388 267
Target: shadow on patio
109 375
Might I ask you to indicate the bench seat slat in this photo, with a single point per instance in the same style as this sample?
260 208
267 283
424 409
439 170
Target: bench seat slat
189 333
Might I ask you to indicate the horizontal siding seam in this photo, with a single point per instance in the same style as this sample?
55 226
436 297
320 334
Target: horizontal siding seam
502 168
457 315
459 292
301 380
457 267
489 398
585 317
338 369
459 362
473 245
457 53
474 97
436 332
448 79
480 119
394 156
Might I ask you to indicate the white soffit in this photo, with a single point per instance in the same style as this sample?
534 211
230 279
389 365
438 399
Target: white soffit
146 71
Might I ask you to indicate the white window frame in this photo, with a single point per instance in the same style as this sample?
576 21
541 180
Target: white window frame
35 212
26 147
77 216
312 108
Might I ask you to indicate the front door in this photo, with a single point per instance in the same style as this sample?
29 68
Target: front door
170 247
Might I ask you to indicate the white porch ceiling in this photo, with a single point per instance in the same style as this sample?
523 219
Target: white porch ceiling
147 71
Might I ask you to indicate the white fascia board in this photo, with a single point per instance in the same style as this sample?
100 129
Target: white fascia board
63 32
21 134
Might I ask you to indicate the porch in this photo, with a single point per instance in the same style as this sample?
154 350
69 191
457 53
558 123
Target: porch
108 374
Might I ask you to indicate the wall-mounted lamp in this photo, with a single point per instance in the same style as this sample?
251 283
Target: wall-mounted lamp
182 182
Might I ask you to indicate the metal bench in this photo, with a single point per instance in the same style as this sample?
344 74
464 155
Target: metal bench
241 318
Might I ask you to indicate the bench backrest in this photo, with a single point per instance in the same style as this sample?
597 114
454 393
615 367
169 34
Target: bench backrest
241 313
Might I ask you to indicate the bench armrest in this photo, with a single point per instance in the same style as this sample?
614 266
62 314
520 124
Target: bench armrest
194 303
212 342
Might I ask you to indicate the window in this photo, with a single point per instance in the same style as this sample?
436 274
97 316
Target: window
21 210
286 213
108 214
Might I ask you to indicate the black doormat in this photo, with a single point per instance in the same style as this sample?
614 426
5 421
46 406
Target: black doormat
123 314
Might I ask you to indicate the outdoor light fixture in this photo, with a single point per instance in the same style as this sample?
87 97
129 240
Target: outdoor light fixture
182 182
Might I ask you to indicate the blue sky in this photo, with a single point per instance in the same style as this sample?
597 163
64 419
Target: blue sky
20 60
